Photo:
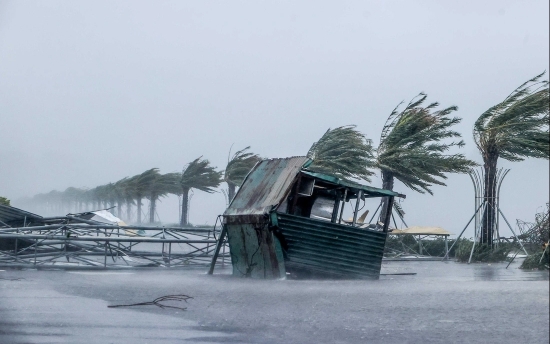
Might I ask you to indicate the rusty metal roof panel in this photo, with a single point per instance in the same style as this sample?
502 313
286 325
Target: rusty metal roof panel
330 249
15 217
265 186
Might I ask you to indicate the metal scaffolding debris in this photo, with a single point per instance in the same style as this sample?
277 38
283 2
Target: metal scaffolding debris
72 241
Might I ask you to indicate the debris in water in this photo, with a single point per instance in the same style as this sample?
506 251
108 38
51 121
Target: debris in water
157 302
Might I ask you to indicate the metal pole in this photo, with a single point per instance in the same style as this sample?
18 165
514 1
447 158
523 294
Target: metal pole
393 218
446 247
359 195
169 252
520 244
343 205
463 230
375 212
218 247
105 261
475 240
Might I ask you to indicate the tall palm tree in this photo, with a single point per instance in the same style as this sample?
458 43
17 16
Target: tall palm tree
237 169
140 185
198 174
160 186
413 147
343 152
514 129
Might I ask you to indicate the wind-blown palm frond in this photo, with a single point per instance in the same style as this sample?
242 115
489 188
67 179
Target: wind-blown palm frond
239 165
200 175
517 127
514 129
412 145
343 152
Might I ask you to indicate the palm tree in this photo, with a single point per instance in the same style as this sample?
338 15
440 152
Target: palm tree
412 150
237 169
160 186
140 185
343 152
120 196
198 174
514 129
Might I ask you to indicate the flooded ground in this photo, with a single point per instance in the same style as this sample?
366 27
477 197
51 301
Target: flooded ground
445 302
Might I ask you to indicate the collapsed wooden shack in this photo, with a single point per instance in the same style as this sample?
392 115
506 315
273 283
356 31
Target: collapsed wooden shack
288 219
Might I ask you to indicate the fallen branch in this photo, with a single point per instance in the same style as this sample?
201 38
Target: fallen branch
157 302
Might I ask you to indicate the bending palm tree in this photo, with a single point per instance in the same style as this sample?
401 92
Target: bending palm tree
140 185
343 152
159 187
515 129
197 175
237 169
411 150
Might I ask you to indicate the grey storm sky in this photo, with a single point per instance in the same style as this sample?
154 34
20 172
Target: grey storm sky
92 91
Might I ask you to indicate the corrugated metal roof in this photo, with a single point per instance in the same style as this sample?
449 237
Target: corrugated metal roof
347 183
265 186
16 216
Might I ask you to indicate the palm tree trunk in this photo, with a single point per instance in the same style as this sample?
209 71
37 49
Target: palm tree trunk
184 206
152 209
119 209
230 191
128 211
138 209
489 196
387 184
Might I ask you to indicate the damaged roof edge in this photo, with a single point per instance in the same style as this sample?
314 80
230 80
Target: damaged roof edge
353 185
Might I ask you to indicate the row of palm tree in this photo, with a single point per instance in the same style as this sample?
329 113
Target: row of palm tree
414 144
414 149
130 192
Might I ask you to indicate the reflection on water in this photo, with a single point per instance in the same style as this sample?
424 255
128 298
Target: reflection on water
450 270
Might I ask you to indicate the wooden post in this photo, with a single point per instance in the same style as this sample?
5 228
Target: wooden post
359 195
343 205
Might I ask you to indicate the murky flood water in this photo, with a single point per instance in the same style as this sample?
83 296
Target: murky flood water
444 302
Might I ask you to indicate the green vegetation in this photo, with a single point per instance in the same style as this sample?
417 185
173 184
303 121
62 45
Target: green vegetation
4 201
343 152
237 168
198 174
408 245
539 260
538 236
413 149
482 252
514 129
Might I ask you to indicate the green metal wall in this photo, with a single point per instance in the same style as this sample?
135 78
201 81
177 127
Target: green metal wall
331 249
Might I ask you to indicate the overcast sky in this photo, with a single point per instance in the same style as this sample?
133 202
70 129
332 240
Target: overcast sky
91 92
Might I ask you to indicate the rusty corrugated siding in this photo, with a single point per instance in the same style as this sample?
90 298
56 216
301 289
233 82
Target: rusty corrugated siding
265 186
331 249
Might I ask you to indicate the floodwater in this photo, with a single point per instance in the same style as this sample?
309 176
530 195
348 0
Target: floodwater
444 302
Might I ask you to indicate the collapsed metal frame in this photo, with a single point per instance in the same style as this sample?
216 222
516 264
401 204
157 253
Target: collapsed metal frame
481 202
97 245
